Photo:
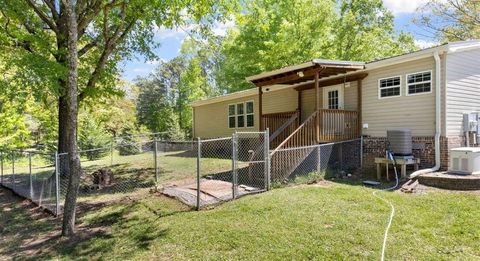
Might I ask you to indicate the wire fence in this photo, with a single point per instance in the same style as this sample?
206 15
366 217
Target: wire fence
199 173
330 159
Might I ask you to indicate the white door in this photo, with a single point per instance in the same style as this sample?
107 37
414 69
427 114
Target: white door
333 97
333 123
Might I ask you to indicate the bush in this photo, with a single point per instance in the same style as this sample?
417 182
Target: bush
93 137
128 145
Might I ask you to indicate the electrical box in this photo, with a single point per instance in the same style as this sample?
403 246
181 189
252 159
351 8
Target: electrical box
470 122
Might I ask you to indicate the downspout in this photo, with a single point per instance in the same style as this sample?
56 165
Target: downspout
438 119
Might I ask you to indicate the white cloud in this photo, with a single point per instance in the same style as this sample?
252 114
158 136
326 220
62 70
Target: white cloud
425 43
156 61
141 70
178 32
403 6
220 29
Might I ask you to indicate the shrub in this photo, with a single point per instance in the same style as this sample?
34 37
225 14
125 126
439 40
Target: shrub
128 145
95 138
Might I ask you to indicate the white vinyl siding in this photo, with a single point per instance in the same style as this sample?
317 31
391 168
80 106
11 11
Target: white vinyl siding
414 112
463 88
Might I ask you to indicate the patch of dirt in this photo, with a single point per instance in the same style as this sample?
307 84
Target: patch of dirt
319 183
32 243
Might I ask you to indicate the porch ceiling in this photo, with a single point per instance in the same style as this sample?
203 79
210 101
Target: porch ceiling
305 72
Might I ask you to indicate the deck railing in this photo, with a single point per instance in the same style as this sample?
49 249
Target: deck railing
304 135
280 125
321 126
333 125
338 125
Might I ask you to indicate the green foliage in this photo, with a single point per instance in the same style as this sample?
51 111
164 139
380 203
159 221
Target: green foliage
94 138
271 34
14 131
128 145
450 20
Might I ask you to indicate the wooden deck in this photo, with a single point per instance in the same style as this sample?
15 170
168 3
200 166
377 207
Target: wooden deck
324 125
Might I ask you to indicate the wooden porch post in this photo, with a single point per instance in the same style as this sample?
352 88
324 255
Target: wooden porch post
260 113
359 106
299 107
317 105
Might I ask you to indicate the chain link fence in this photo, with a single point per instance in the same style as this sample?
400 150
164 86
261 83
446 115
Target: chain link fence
31 175
199 173
324 160
226 168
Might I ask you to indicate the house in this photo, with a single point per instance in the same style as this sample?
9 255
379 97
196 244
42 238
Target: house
321 101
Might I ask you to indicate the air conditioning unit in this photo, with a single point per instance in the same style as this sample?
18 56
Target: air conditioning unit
465 160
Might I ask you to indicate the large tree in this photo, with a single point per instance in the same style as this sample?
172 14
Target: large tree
450 20
70 49
272 34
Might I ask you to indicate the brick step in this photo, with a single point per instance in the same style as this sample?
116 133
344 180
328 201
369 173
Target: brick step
450 181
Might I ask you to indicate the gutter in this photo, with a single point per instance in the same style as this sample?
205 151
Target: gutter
438 119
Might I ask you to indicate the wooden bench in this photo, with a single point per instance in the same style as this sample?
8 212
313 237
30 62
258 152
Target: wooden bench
400 162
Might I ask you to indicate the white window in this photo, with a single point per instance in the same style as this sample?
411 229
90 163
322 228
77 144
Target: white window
231 116
420 82
389 87
249 113
240 115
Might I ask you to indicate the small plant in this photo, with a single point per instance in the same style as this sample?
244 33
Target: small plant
310 178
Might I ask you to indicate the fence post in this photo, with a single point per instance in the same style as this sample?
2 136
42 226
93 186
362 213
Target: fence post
319 159
155 160
13 171
361 151
340 154
199 155
57 186
30 174
111 152
234 164
267 158
1 167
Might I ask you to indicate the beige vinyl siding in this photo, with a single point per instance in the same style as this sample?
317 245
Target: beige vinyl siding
211 120
415 112
280 101
308 102
463 88
350 97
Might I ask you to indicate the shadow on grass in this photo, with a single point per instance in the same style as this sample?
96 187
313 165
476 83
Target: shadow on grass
28 233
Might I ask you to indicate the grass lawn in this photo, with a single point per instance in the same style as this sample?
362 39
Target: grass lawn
333 221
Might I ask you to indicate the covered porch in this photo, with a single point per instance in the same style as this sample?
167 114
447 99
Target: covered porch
324 112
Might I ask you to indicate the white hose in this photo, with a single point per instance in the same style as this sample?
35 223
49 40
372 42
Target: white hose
392 213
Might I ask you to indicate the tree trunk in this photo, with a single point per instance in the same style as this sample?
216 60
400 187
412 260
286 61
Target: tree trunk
62 120
68 228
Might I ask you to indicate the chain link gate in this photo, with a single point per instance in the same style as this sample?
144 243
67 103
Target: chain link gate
251 165
225 169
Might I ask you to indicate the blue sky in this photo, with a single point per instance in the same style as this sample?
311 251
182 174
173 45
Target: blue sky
171 40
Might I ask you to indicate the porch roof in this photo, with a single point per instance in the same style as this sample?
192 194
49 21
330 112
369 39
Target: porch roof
305 72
